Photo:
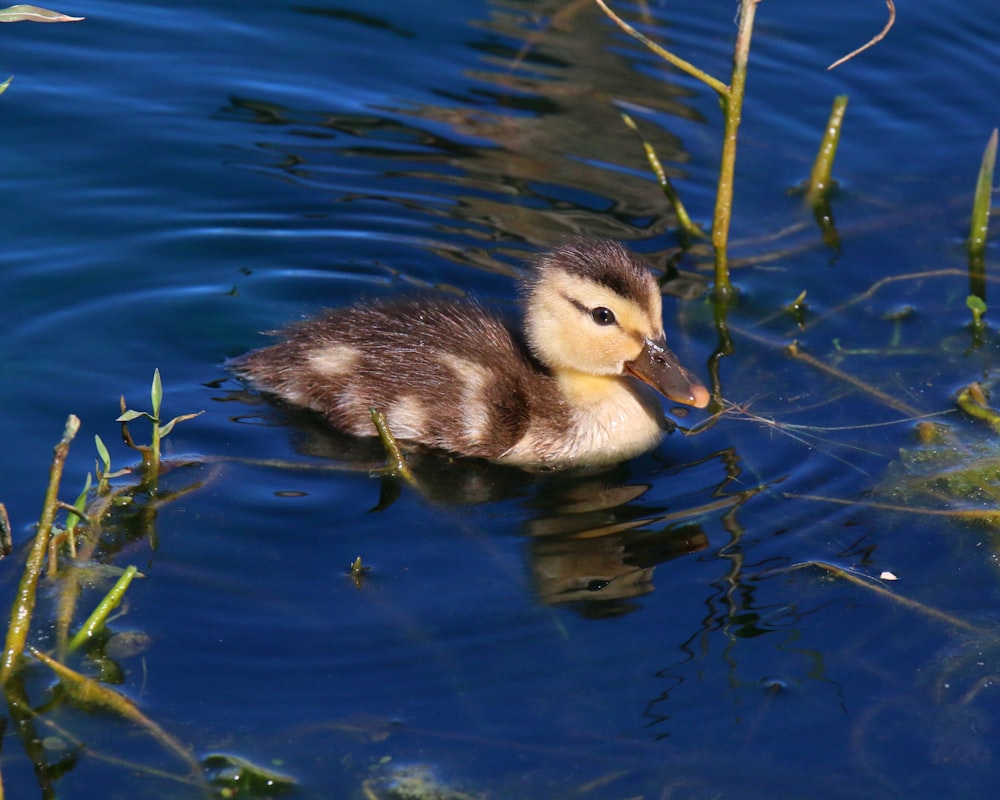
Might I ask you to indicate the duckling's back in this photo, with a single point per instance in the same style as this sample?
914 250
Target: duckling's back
447 374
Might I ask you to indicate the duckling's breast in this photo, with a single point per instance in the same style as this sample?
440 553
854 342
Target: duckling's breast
599 420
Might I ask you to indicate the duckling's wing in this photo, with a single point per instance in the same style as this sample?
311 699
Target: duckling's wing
448 374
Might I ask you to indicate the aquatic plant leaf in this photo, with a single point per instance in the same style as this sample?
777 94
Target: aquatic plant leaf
72 520
239 776
156 394
26 13
979 228
975 304
130 415
92 695
164 430
102 452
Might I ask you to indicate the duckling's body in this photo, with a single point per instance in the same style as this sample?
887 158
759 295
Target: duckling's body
449 374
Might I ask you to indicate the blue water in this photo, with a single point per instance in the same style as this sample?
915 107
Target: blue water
177 178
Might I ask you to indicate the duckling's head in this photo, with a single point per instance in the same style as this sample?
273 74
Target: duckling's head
592 307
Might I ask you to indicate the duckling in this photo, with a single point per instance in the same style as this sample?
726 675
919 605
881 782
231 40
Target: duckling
575 389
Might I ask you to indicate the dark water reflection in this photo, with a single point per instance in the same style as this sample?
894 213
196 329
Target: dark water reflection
650 630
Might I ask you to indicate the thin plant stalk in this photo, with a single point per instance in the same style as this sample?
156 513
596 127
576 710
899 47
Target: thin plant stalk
6 536
91 694
688 229
733 108
868 583
724 348
396 465
731 97
666 55
24 602
873 41
886 399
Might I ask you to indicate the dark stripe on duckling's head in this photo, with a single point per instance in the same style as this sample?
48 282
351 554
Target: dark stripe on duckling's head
604 262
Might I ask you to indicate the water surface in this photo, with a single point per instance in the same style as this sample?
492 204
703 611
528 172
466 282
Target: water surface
179 178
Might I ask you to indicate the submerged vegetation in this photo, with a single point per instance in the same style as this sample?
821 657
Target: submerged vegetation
74 557
948 474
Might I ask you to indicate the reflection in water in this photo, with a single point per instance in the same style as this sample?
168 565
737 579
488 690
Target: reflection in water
594 545
594 542
600 574
532 149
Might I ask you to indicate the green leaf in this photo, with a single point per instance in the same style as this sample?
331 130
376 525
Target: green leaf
165 429
25 13
130 415
156 394
72 520
103 453
979 228
977 307
5 84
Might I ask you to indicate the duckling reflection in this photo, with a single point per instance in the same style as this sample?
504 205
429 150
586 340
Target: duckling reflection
576 388
599 576
596 548
593 544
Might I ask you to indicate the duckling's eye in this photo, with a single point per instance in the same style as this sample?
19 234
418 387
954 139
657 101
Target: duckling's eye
603 316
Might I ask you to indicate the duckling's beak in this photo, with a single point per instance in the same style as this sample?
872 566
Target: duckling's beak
659 367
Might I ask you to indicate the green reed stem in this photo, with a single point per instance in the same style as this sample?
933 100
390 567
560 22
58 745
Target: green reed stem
95 622
733 108
820 179
24 601
732 103
397 465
